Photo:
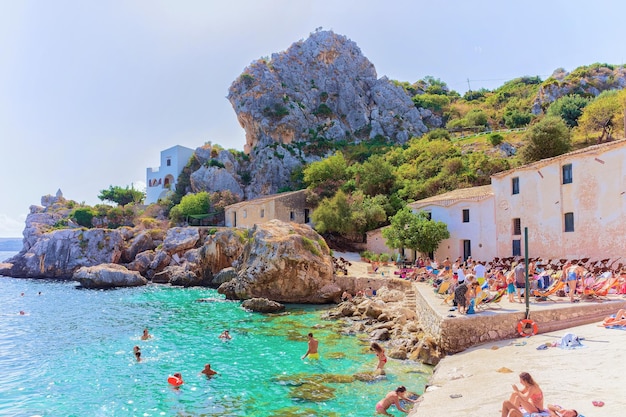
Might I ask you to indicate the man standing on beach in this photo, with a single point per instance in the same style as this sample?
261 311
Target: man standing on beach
312 350
520 279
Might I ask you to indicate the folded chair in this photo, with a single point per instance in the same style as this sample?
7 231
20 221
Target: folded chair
551 290
492 300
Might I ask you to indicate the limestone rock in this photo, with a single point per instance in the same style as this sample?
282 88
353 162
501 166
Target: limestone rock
590 81
380 334
213 179
179 239
108 276
140 243
285 262
223 276
322 86
263 305
180 276
427 352
58 254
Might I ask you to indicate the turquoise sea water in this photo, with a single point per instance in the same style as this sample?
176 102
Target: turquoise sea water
71 355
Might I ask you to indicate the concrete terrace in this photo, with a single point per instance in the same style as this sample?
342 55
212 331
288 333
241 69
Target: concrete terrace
455 332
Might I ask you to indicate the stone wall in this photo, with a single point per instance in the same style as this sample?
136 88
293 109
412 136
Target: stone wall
454 335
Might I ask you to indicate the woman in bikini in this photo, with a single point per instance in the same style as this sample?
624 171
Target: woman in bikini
393 398
382 359
530 398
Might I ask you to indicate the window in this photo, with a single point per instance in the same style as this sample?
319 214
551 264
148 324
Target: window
517 247
245 214
567 174
292 216
168 162
517 226
306 216
569 222
262 213
465 215
515 185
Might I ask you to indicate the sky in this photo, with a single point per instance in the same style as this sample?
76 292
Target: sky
92 91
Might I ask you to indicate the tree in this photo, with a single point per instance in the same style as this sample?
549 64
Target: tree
350 214
415 231
604 114
375 176
83 216
547 138
191 204
569 108
122 196
327 175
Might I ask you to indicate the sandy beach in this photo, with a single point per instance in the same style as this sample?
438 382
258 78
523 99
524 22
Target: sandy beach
571 378
476 382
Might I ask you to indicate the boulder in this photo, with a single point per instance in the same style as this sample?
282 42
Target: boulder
140 243
285 262
180 239
262 305
223 276
108 276
180 276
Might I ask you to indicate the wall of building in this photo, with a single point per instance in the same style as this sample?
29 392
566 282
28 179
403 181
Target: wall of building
264 209
480 230
596 197
158 178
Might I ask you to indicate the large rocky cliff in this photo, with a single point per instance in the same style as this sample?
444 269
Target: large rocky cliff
320 90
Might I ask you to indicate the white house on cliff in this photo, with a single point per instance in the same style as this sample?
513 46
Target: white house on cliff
159 181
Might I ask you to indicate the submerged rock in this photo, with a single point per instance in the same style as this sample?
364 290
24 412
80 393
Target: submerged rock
263 305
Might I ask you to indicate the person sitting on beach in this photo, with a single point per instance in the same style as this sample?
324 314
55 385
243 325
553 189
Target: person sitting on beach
382 358
346 296
619 319
208 371
393 398
225 335
530 399
558 411
145 335
137 352
312 350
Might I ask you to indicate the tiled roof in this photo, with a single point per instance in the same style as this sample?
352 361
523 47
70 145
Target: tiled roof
590 149
261 200
452 197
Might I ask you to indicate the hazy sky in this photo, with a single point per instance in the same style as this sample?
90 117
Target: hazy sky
92 91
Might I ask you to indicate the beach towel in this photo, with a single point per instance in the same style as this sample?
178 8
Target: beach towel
615 327
570 341
470 308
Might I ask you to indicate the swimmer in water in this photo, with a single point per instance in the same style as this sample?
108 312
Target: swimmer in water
208 371
312 350
145 335
137 352
225 335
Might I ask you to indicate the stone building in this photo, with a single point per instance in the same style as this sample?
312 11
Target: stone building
574 206
159 181
288 207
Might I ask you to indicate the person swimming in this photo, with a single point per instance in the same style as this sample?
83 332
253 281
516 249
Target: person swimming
137 352
145 335
312 350
225 335
208 371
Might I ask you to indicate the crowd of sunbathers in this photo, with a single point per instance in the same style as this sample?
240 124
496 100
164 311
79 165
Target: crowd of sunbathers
574 279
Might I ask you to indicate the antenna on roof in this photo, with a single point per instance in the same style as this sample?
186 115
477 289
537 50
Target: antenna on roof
468 85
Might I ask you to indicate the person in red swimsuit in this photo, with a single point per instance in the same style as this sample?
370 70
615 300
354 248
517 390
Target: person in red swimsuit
530 398
382 359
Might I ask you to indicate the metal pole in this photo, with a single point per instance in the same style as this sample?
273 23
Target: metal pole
527 289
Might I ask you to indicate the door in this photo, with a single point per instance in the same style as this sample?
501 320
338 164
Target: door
467 249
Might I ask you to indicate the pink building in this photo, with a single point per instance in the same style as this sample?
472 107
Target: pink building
574 205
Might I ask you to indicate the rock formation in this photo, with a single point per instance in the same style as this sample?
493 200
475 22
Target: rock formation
108 276
284 262
586 81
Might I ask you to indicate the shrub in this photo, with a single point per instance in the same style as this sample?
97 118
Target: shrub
435 134
323 110
495 139
310 246
83 216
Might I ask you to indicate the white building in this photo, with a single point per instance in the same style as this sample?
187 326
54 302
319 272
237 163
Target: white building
469 214
159 181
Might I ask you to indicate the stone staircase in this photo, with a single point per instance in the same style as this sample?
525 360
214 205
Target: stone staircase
410 300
